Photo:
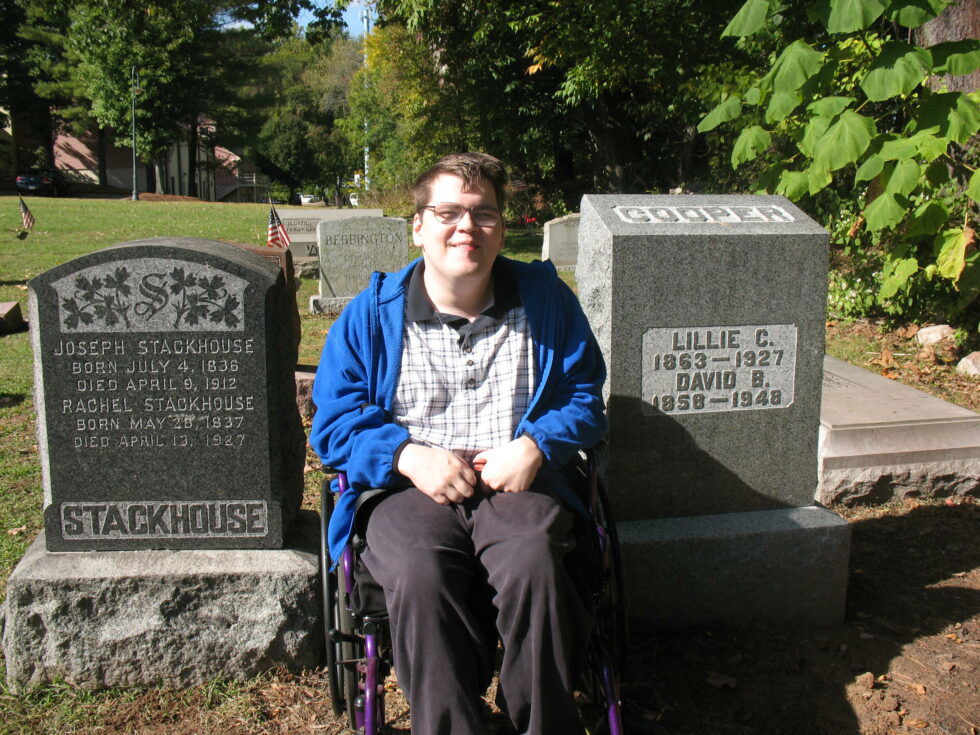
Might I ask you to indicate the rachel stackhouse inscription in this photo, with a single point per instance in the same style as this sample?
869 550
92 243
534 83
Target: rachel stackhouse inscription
709 369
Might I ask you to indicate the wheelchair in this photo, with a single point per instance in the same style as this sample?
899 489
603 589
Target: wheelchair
358 650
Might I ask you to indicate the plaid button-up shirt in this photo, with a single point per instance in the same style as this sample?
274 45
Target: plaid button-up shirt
464 386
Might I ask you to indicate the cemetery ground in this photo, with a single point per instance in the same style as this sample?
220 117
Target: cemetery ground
907 658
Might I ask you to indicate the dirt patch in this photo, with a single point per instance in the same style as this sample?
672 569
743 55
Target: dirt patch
905 660
893 352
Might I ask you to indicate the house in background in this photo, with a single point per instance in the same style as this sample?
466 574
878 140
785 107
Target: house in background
237 179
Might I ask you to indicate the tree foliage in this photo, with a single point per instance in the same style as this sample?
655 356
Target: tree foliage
853 111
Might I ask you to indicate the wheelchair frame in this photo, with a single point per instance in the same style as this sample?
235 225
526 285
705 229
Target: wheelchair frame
357 645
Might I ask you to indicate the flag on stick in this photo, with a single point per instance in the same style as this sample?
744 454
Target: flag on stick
278 237
26 218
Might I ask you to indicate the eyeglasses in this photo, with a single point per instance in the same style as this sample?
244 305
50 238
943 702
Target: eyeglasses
449 213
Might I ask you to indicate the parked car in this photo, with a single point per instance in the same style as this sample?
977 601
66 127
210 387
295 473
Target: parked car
308 198
43 181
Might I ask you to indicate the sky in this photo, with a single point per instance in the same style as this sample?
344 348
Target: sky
352 16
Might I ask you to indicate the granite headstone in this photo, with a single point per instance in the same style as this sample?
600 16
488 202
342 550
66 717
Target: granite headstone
710 313
166 405
350 251
301 225
560 244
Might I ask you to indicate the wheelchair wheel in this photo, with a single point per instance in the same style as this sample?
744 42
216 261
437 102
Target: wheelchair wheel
338 627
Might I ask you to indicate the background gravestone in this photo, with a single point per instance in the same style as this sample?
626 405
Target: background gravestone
561 241
301 225
710 314
350 251
165 398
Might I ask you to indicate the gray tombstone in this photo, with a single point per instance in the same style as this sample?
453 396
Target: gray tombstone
165 398
560 244
172 461
710 313
301 225
350 251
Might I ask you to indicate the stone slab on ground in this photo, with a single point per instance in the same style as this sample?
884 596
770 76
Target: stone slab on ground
787 565
305 375
881 439
173 618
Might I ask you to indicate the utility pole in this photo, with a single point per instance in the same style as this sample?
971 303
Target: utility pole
366 21
134 79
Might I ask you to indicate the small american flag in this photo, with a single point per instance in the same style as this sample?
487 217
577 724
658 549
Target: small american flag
26 218
278 237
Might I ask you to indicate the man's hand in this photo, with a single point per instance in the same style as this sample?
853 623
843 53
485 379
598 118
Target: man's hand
512 467
441 475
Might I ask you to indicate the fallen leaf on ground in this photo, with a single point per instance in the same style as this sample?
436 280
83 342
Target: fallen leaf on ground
22 288
918 689
917 724
886 359
927 354
721 680
16 531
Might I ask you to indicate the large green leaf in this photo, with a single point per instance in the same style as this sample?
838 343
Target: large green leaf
749 19
750 144
928 218
782 104
954 114
952 246
847 16
870 168
885 211
820 178
797 63
845 141
897 276
956 57
725 112
913 13
814 131
898 147
973 188
793 184
829 106
897 70
900 177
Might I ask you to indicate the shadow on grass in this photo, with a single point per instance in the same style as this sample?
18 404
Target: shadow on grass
11 399
905 595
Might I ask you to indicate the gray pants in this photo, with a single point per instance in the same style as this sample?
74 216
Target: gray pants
455 578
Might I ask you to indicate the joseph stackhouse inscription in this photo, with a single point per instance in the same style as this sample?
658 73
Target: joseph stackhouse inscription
158 375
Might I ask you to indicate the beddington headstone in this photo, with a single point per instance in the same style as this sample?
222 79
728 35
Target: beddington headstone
301 225
164 392
710 314
560 244
350 251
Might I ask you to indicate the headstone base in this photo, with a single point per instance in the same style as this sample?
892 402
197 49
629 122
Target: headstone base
328 305
786 566
171 618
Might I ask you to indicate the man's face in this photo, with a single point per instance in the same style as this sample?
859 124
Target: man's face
462 250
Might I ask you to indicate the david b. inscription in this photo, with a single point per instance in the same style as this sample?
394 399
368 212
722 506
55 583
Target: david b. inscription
710 369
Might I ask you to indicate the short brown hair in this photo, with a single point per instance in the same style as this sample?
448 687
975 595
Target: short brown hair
471 168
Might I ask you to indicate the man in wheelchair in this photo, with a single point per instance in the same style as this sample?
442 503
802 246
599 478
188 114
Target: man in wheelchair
452 394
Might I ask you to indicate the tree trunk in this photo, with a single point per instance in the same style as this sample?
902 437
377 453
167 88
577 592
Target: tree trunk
100 154
959 21
159 173
192 160
614 145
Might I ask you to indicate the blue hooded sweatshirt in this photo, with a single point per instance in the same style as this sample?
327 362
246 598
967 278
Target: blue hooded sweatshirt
353 429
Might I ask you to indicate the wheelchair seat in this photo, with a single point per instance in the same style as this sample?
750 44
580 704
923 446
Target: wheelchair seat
358 648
